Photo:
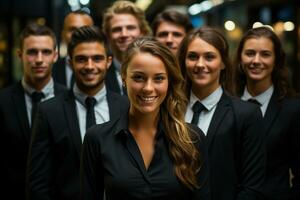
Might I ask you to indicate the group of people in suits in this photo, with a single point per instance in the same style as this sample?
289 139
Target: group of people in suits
149 117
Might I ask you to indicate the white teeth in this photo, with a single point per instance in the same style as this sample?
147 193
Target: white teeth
147 98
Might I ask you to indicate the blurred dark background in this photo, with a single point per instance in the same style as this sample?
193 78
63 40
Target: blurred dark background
232 17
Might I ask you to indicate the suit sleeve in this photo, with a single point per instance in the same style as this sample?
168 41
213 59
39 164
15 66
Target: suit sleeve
251 156
295 155
40 164
91 174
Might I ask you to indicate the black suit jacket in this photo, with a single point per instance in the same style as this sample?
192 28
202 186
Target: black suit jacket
59 71
282 132
111 81
15 137
54 157
236 151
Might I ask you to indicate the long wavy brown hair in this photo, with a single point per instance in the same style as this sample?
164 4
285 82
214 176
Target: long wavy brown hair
181 138
280 71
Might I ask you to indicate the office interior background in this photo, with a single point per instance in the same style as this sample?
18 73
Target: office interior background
232 17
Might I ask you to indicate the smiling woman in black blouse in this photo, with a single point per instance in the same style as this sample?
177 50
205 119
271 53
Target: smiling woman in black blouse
149 152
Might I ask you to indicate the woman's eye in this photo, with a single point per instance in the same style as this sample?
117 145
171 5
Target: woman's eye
209 57
138 78
159 78
192 56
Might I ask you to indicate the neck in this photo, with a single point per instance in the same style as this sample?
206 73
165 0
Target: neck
119 56
38 85
203 92
257 87
139 121
90 91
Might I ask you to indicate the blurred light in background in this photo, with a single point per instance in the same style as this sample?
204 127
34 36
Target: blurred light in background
74 4
257 24
289 26
229 25
84 2
143 4
201 7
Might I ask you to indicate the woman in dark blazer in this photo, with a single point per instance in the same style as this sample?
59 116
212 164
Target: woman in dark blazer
261 75
150 152
233 137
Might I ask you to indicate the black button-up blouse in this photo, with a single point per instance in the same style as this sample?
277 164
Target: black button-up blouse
111 161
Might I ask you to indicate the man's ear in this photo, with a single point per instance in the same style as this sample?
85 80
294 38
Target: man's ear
109 62
19 53
55 56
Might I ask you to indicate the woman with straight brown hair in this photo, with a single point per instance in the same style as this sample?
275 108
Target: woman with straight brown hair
233 137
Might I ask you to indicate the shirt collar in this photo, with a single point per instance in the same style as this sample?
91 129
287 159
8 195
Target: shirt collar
210 101
122 126
81 96
47 90
262 98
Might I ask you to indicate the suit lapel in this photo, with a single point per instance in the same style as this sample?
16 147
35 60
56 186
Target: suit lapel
221 109
20 105
271 112
73 123
113 105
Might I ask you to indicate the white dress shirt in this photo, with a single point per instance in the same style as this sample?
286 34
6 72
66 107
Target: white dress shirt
210 103
101 108
48 92
263 98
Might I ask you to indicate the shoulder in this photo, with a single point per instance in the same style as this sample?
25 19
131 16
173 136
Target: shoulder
122 99
59 88
8 91
54 104
241 107
291 105
101 131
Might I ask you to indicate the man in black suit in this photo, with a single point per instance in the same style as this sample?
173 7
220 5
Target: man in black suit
123 22
54 157
18 104
62 72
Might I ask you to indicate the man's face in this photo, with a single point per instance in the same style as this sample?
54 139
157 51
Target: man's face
124 30
90 63
171 35
37 56
73 21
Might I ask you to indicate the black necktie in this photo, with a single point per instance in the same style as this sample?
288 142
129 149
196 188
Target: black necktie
197 108
254 101
35 99
90 113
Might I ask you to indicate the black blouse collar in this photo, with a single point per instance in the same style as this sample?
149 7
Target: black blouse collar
122 126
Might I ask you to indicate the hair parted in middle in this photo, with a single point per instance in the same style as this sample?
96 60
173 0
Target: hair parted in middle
213 37
181 139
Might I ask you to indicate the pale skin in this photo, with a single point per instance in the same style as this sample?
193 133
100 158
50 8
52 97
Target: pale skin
204 65
258 60
147 88
171 35
73 21
37 55
90 64
124 29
